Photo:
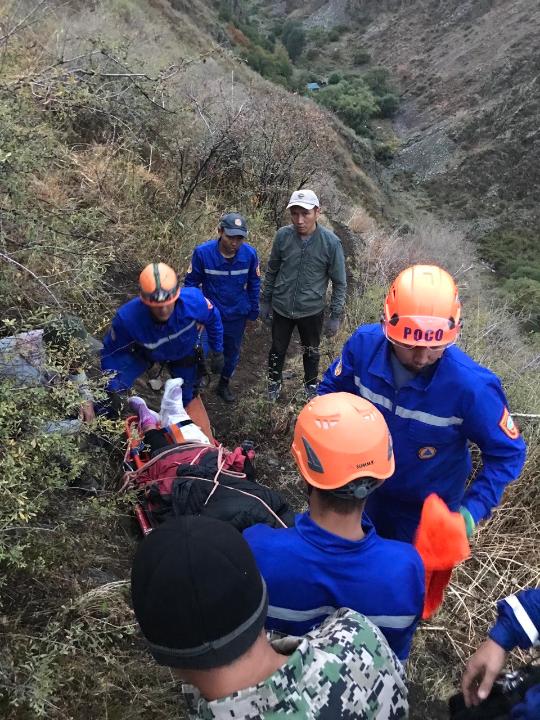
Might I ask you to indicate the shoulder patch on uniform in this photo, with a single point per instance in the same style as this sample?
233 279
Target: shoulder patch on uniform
426 453
339 368
508 426
190 268
209 304
258 270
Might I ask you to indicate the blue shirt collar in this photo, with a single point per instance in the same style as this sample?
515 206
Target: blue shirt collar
327 541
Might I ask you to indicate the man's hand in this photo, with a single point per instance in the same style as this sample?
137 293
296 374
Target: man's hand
86 411
217 360
331 326
265 312
481 671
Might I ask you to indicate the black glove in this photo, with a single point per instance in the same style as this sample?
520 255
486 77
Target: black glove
331 326
217 360
265 312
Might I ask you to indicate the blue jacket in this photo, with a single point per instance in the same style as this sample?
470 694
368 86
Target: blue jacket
232 285
518 624
135 338
431 420
310 573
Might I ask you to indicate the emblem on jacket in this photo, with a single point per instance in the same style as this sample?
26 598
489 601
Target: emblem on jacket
508 426
426 453
339 368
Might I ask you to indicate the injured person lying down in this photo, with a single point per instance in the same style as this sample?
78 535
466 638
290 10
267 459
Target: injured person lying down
176 470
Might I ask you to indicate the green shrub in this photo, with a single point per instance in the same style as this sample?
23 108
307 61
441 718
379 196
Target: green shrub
378 79
353 102
523 295
334 78
334 34
384 149
361 57
275 66
388 105
294 39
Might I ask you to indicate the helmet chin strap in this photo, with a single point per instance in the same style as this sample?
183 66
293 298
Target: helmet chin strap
356 490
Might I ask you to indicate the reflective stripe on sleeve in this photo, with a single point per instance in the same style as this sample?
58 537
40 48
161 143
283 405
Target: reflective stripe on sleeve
529 628
240 272
208 271
373 397
398 622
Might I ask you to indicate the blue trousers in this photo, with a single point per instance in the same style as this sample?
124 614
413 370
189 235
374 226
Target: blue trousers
233 332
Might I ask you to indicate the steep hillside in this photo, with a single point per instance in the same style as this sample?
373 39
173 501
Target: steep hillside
126 128
471 100
467 145
470 96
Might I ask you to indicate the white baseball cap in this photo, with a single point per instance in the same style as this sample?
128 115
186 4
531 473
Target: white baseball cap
304 198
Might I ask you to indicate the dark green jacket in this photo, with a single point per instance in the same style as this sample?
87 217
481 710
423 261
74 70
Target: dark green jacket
297 275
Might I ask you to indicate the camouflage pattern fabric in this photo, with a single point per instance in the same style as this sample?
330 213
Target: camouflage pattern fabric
342 669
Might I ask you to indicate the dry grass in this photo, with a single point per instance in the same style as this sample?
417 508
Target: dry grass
505 559
361 221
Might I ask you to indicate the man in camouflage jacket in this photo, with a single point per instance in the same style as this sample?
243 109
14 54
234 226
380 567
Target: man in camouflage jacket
216 642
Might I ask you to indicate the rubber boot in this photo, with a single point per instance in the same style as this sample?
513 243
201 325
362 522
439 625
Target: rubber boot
224 391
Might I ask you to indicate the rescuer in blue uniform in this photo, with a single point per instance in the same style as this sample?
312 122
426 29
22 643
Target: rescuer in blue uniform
333 557
435 399
518 625
227 271
162 325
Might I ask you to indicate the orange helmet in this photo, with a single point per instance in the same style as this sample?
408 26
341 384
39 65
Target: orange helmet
158 285
340 438
422 308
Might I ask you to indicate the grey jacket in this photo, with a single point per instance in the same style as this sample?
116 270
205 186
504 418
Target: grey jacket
297 275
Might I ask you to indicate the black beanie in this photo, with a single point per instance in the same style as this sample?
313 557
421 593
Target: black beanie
197 593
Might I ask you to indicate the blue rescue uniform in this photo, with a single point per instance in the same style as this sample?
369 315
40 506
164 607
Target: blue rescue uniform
136 341
233 286
309 573
431 418
518 625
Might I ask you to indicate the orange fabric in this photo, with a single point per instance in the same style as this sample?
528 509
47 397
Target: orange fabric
339 438
176 433
197 412
441 540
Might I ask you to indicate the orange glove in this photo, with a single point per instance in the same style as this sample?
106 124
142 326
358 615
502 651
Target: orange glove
441 541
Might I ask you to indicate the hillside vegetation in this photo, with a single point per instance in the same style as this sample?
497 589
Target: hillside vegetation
125 130
465 141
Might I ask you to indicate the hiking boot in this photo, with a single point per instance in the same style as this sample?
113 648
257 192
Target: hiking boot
274 390
310 390
225 392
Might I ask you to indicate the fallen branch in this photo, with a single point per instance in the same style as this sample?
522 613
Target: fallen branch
33 274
